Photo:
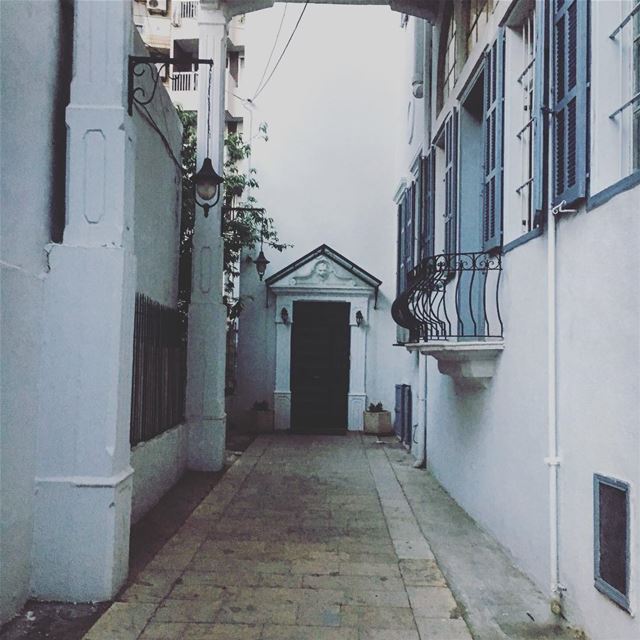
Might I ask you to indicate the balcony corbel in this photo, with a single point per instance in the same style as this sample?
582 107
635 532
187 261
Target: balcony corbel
470 364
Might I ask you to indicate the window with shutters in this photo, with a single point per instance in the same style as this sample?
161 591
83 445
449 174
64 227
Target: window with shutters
448 59
525 109
611 538
479 12
493 118
428 185
449 141
570 100
525 181
406 237
627 115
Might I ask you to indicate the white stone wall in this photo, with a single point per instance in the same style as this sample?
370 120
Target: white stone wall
29 79
488 447
159 463
599 388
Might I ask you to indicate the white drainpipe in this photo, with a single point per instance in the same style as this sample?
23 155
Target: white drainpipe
553 460
421 430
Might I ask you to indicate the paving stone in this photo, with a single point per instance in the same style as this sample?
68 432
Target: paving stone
437 629
303 539
122 621
432 602
272 613
387 634
301 632
188 611
377 617
421 573
150 586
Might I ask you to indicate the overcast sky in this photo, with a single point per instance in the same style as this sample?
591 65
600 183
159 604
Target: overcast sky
335 110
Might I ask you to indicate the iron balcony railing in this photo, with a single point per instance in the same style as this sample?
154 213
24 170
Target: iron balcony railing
452 296
184 81
189 9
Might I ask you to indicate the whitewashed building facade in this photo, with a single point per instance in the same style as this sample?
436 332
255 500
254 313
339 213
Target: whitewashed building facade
518 240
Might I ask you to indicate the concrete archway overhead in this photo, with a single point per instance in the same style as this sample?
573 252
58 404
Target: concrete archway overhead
426 9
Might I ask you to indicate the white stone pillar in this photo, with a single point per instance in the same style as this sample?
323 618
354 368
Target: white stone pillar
207 313
83 483
282 392
357 372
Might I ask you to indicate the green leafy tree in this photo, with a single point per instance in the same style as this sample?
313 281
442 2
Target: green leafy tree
242 229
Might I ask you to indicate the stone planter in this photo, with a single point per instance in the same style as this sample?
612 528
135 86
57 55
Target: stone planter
260 420
377 423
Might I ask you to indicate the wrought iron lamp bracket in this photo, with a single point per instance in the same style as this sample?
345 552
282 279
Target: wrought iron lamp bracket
139 65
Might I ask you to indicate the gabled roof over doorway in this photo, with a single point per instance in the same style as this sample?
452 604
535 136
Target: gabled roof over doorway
335 271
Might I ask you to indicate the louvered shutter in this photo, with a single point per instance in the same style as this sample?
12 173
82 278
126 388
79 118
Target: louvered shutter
451 181
493 144
400 249
410 238
540 106
428 205
570 91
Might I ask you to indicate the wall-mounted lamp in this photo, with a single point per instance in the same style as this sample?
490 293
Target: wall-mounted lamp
284 314
261 264
206 184
359 318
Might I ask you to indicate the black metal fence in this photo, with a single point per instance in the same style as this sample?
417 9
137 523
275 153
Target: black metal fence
452 296
159 370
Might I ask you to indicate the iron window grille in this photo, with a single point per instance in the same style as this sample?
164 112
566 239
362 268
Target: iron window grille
525 134
631 105
611 538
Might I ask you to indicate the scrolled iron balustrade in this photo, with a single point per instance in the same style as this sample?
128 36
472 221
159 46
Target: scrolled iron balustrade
452 296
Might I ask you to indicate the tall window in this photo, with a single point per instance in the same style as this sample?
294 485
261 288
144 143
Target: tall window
524 95
449 61
570 100
479 11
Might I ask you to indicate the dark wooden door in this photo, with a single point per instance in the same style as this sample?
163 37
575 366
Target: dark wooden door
320 366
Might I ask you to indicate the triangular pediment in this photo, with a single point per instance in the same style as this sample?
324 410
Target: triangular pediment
323 268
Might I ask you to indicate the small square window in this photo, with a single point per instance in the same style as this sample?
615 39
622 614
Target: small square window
611 538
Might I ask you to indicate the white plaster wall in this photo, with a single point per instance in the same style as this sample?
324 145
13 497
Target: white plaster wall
157 197
599 390
327 173
28 77
487 447
158 465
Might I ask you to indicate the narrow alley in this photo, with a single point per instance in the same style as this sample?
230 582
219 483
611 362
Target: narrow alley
310 538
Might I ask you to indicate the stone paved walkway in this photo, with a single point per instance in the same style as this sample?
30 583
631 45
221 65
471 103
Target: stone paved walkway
305 538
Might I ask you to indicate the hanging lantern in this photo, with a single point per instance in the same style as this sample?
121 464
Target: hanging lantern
261 264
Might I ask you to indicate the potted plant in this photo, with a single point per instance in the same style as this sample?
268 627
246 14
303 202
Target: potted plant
377 421
261 417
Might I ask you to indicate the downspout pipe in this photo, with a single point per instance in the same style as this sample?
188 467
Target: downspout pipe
553 459
421 460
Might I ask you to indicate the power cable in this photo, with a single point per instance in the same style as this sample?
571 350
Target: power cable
275 42
286 46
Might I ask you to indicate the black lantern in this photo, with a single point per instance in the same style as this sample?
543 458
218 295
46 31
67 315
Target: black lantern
207 186
261 264
359 318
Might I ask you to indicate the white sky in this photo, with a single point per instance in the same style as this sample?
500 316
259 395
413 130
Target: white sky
335 110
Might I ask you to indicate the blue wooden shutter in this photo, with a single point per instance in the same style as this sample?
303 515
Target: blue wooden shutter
493 144
399 249
570 92
540 110
427 239
409 238
451 182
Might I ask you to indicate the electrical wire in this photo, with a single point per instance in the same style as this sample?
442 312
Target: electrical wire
275 42
154 125
286 46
